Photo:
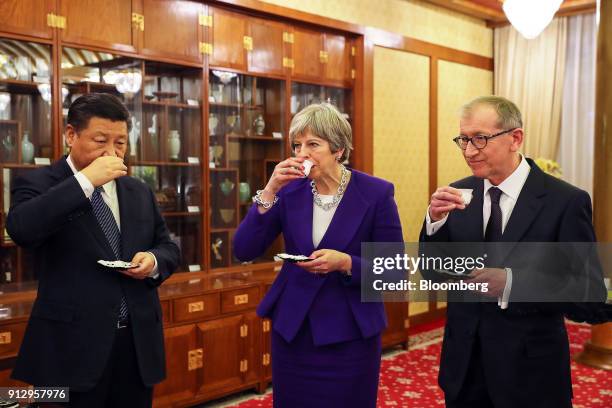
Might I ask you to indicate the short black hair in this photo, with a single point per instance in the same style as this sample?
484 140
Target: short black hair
99 105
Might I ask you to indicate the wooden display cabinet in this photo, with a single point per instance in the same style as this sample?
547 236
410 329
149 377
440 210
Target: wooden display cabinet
27 17
322 57
99 24
308 44
165 148
246 127
211 90
176 32
304 94
215 338
25 131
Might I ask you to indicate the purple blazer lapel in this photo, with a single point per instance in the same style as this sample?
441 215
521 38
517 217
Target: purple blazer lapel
346 220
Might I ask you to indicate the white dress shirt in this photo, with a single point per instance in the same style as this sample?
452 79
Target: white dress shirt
511 188
109 195
109 191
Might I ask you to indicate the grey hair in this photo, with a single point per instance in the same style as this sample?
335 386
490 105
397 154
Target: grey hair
509 115
325 121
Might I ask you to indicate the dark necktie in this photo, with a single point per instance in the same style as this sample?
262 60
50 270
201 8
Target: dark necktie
493 233
111 231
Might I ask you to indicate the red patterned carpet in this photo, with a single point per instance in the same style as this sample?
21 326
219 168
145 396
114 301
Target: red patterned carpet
409 378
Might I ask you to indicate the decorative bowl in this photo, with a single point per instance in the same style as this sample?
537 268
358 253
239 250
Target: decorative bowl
227 214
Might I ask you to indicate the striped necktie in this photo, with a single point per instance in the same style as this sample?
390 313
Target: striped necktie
111 231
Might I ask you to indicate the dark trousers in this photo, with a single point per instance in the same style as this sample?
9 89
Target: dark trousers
474 392
121 384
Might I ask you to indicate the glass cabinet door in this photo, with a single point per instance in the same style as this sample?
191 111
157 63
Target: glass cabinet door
246 133
85 71
164 149
25 134
303 95
169 153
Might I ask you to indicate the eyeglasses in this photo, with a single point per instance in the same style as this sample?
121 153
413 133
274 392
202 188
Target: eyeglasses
478 141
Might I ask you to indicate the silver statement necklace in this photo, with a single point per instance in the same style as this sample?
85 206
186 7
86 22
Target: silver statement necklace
337 197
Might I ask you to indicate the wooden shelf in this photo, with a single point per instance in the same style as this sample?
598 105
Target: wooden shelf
255 138
19 87
170 104
181 214
96 85
254 159
234 105
22 166
163 163
7 243
223 229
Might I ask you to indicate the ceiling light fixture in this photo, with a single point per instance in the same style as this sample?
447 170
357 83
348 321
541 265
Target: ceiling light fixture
530 17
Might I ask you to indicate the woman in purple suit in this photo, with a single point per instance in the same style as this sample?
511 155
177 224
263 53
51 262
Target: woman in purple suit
325 342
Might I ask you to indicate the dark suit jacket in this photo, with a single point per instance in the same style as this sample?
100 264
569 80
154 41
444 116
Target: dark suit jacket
525 347
367 213
73 321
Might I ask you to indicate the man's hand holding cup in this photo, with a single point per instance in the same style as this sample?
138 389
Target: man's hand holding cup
447 199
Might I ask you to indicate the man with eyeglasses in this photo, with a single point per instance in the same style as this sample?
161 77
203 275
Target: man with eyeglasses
505 353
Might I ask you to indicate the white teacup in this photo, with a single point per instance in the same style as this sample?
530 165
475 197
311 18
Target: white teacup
307 166
466 195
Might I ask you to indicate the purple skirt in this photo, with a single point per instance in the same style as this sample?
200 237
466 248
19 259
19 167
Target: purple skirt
337 375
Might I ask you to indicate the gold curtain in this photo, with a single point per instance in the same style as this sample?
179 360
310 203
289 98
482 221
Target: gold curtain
530 73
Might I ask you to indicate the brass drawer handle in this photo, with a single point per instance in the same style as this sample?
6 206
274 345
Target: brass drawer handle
6 338
323 57
244 330
195 306
247 42
266 359
195 359
266 326
241 299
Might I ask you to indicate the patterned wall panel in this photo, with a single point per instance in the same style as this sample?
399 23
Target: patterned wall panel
401 126
414 307
457 84
411 18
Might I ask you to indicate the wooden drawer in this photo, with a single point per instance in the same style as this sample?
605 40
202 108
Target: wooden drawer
165 308
195 307
10 339
240 299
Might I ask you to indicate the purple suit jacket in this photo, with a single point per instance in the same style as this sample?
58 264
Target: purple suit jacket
331 302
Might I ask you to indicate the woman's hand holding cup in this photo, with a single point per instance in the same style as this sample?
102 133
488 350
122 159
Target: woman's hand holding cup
284 172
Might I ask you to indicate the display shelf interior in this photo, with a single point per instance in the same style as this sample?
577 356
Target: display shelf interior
163 163
171 104
303 94
19 87
182 214
245 111
256 138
